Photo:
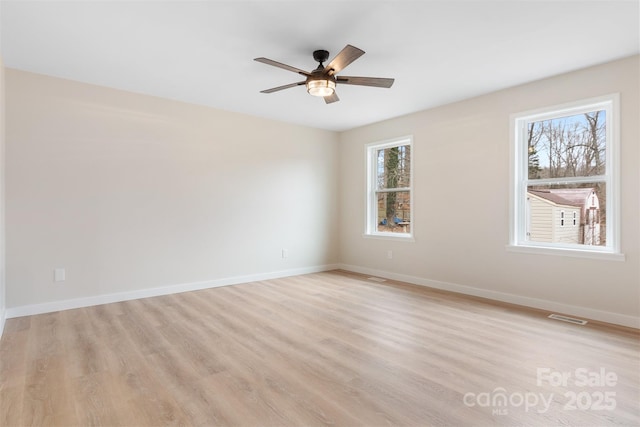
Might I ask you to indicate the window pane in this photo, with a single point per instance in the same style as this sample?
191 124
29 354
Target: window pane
574 214
393 167
567 146
394 213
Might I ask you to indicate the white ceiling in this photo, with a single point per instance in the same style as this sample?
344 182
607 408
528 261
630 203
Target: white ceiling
202 52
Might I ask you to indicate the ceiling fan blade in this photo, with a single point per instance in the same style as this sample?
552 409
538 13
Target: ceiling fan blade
281 65
365 81
275 89
331 98
344 58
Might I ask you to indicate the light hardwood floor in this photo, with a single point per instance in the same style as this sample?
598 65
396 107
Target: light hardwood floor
322 349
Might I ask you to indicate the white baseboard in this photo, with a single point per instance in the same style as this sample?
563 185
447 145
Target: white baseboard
49 307
3 319
584 312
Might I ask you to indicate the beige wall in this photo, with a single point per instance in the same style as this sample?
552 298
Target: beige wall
129 192
461 183
2 198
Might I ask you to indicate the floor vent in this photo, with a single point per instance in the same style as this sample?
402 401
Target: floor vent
568 319
376 279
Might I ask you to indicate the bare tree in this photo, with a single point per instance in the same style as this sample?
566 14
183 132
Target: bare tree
534 135
391 172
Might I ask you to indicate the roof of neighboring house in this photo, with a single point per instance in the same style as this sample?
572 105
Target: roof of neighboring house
564 196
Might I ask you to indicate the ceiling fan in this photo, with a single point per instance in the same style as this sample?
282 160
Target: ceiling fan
323 80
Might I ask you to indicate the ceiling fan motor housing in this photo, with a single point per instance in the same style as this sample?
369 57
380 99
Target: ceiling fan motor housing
319 74
321 82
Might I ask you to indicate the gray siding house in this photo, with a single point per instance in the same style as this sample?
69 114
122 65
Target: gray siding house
566 215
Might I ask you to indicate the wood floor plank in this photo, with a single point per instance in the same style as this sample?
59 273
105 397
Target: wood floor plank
11 399
47 399
330 348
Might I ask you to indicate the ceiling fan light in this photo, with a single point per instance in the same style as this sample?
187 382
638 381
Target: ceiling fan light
321 87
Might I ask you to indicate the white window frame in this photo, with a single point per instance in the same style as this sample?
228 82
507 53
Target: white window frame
371 210
519 179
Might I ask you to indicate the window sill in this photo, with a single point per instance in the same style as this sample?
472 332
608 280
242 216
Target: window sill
390 236
575 253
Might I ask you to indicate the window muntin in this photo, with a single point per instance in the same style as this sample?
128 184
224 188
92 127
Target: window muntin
565 170
389 188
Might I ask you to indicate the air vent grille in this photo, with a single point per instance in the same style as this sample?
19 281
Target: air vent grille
567 319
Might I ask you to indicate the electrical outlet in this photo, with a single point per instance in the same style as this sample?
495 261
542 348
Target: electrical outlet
285 253
390 254
59 275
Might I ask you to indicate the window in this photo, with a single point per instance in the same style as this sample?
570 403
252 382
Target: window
389 188
565 160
